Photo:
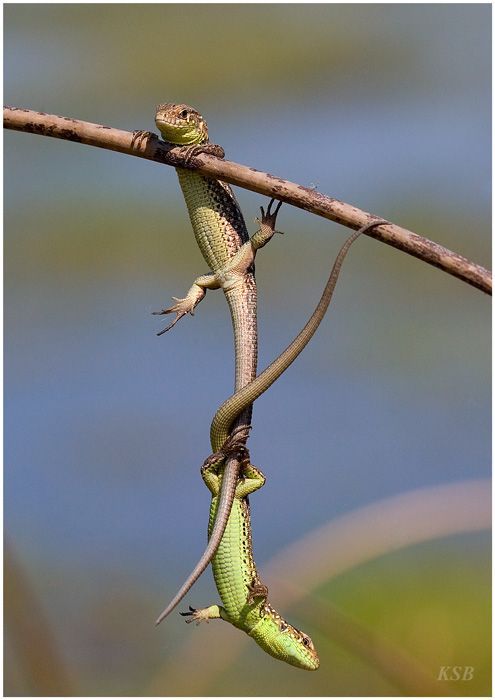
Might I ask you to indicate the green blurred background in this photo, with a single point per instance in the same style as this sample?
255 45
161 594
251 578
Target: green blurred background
384 106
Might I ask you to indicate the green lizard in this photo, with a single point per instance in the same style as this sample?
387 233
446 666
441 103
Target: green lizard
220 230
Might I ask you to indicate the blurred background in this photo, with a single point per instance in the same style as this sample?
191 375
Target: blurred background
386 107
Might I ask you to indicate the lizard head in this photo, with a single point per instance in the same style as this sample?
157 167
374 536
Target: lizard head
285 642
181 124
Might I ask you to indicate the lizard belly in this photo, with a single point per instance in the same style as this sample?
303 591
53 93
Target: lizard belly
235 574
233 567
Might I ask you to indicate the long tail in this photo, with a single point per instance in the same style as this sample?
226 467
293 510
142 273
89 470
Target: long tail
228 411
229 482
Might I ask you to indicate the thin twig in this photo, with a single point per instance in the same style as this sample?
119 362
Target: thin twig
306 198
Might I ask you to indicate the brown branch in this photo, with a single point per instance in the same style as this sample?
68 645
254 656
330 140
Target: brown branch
303 197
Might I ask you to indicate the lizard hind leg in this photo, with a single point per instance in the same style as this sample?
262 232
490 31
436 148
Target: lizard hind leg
187 305
182 307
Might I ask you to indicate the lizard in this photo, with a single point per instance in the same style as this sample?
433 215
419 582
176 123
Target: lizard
222 237
243 594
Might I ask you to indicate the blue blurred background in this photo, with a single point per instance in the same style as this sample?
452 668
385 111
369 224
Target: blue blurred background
384 106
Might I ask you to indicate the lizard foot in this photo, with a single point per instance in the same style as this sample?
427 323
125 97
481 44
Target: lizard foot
234 445
210 149
256 590
266 225
182 307
197 615
139 138
269 218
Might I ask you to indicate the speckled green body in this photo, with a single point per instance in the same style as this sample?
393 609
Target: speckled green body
233 566
243 595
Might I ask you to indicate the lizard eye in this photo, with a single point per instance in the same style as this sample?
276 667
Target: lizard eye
306 642
183 114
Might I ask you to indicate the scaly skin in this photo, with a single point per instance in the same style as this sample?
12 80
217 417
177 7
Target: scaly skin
243 595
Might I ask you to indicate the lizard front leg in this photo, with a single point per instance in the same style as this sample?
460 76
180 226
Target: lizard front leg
198 615
229 276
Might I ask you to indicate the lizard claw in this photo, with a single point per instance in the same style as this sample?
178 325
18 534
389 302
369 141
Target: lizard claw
269 218
182 307
139 137
256 590
234 446
171 325
195 615
210 149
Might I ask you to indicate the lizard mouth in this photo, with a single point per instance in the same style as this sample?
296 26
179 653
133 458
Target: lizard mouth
176 132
